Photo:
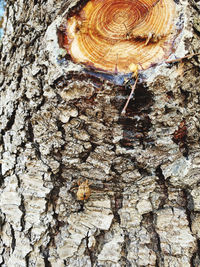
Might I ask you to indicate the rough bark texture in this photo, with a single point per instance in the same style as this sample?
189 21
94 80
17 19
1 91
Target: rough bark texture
60 125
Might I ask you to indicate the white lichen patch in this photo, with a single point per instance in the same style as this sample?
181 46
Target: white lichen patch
182 172
144 206
102 158
140 250
10 202
22 248
136 202
196 198
8 162
111 251
96 216
175 236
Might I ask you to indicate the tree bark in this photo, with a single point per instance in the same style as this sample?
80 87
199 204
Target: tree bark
60 125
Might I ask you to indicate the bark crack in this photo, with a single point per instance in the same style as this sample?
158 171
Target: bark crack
13 244
89 251
163 185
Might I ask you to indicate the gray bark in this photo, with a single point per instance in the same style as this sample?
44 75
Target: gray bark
59 125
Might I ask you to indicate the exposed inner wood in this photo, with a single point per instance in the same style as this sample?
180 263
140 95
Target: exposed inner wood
111 35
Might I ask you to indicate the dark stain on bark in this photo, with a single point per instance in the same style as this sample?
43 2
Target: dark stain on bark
77 8
136 122
180 138
142 101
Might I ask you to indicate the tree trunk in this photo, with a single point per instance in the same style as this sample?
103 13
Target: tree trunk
60 125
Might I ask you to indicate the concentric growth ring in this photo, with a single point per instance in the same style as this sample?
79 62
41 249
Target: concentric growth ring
111 35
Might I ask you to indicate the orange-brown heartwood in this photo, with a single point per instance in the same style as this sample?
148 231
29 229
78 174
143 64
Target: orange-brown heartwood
111 35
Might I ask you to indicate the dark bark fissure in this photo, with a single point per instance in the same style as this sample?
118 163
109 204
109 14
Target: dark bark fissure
89 252
22 208
148 222
163 186
125 248
13 244
189 207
